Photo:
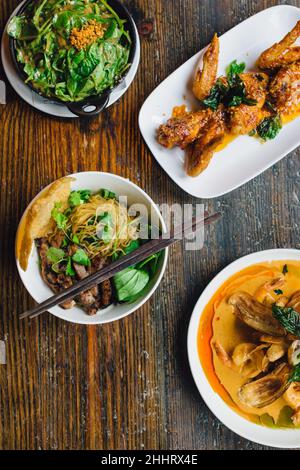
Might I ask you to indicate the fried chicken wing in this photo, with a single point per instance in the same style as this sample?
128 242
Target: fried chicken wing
184 129
285 89
244 118
201 151
281 53
206 72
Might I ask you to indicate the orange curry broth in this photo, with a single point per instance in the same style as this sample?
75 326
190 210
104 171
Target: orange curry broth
205 330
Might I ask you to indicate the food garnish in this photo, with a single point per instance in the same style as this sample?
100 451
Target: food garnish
285 269
289 319
230 91
269 128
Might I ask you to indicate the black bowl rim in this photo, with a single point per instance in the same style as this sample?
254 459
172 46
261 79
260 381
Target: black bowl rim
89 99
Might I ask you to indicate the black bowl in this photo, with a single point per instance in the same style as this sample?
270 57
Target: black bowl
92 105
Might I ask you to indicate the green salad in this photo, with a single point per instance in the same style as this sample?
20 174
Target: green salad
71 49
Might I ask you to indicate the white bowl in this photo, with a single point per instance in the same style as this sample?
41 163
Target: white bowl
37 288
282 438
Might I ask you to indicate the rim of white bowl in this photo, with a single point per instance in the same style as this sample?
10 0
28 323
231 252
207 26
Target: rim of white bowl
66 316
279 438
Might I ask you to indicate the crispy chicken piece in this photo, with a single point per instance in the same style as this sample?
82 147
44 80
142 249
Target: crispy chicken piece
285 89
205 77
184 129
244 118
201 151
281 51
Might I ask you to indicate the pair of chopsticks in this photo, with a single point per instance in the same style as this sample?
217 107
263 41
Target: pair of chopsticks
148 249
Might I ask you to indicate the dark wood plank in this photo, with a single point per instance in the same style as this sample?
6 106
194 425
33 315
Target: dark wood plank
125 385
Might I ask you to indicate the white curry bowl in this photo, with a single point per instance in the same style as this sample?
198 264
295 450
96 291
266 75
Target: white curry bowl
280 437
39 290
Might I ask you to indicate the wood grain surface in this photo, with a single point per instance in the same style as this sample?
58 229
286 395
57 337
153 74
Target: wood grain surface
125 385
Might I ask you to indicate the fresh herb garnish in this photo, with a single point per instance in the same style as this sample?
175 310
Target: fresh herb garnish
55 255
77 198
60 218
80 257
295 375
105 229
271 108
269 128
234 68
216 96
231 92
288 317
106 194
278 291
285 269
133 245
75 239
69 269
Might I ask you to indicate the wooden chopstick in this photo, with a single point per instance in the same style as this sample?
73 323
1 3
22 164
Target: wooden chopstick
148 249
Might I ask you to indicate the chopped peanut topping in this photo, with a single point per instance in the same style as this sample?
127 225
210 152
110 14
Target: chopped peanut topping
81 38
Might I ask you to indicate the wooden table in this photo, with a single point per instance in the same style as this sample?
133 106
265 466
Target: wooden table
126 385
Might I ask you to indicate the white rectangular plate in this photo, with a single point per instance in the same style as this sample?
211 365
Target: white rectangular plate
245 157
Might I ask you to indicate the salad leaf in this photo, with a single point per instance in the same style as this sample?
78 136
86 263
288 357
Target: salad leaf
269 128
129 283
151 261
80 257
288 317
16 26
